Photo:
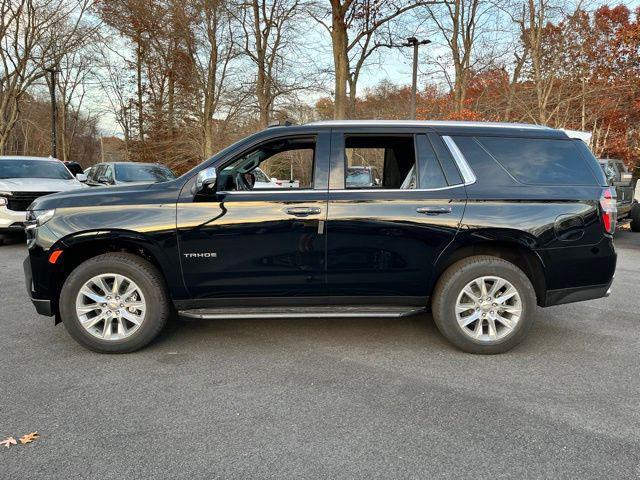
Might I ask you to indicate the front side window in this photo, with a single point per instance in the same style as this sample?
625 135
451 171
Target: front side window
281 163
380 162
132 172
25 168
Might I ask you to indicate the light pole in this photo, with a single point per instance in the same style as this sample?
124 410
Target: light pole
415 43
54 110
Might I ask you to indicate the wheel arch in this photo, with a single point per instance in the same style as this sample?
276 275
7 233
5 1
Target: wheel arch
512 249
84 245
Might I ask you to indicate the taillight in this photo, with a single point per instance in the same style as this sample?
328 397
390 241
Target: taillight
609 210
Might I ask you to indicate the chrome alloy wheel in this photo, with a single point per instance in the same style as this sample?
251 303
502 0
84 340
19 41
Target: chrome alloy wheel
110 306
488 309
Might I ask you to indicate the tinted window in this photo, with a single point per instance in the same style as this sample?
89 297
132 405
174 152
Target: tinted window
134 172
431 175
540 161
24 168
446 160
591 161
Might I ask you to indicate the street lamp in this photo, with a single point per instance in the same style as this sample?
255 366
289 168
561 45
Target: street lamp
415 43
54 112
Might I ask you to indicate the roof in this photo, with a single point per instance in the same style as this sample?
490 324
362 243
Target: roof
25 157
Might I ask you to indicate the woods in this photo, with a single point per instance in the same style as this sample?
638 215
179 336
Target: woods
177 80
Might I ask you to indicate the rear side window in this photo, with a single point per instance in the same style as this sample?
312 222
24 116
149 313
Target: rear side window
536 161
376 161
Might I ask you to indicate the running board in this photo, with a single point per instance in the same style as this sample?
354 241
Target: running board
324 311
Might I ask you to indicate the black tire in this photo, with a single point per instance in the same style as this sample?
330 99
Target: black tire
144 274
635 218
456 277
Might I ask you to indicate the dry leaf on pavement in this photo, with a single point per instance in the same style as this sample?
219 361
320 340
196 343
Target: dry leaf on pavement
8 442
29 437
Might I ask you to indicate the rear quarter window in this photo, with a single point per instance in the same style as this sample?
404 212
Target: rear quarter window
537 161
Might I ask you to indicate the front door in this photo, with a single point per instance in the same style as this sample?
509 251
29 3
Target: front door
393 208
255 237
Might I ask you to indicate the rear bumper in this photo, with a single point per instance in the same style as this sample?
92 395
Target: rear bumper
43 306
575 274
577 294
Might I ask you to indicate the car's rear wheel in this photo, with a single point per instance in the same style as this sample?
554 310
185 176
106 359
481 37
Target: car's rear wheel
484 304
114 303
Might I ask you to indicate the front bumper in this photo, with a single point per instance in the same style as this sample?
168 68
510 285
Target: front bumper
43 306
11 221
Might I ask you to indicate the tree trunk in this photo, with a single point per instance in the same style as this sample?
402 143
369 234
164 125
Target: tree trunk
339 40
353 92
139 88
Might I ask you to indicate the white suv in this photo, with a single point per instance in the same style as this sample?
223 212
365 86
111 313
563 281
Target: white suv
22 180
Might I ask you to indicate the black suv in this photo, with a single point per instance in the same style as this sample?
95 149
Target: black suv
477 222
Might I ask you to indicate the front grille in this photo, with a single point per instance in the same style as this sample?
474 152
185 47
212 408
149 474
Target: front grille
20 201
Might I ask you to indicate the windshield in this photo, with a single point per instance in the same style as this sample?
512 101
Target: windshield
131 172
358 177
25 168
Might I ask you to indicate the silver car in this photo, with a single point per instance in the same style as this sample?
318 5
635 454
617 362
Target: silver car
23 179
128 173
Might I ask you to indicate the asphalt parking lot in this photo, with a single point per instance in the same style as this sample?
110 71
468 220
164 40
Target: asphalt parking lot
350 398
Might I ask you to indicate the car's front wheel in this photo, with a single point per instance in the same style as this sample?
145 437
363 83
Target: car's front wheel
484 304
114 303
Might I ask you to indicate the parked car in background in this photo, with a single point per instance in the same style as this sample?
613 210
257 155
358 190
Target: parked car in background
619 177
362 177
76 170
477 222
22 180
128 173
262 180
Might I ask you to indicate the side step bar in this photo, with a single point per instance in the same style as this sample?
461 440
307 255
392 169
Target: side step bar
333 311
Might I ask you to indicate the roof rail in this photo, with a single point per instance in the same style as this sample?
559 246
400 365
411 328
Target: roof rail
281 123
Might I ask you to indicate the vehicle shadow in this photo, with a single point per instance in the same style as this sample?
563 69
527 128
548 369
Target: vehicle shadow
11 238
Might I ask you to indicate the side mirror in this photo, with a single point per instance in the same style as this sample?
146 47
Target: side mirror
206 181
81 177
104 180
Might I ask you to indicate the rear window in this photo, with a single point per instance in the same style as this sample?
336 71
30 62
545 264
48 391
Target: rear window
537 161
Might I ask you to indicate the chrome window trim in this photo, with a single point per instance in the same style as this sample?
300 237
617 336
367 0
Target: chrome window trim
467 173
268 190
340 190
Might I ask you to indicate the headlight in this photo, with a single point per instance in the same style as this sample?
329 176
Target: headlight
37 218
3 198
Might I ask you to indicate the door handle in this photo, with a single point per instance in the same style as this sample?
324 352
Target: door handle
302 211
433 210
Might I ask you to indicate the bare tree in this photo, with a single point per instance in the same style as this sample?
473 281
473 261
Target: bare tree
462 24
354 28
212 51
269 27
35 35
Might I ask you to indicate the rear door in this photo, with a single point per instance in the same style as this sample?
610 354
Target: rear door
383 241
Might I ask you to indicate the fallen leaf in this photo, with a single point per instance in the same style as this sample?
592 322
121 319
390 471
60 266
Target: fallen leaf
8 442
29 437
